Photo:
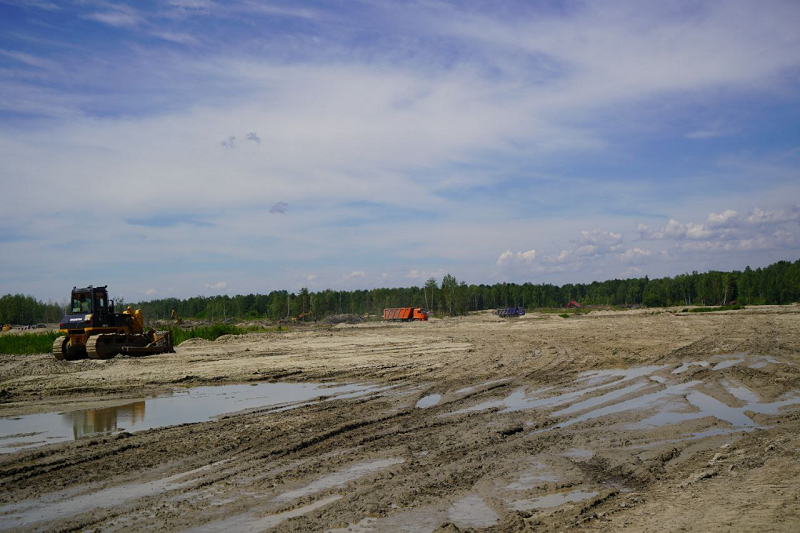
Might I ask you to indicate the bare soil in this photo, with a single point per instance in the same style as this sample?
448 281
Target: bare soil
542 423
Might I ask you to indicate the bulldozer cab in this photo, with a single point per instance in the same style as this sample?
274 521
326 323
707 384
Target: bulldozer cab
89 300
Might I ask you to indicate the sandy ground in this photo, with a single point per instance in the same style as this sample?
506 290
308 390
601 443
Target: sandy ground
595 422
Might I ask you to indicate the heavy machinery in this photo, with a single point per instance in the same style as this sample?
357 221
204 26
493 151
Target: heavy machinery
509 312
176 318
6 327
303 316
92 329
405 314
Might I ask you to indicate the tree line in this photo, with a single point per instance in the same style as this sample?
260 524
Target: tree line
778 283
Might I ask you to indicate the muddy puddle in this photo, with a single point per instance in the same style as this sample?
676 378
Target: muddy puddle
429 401
551 500
198 404
653 396
251 521
254 523
66 504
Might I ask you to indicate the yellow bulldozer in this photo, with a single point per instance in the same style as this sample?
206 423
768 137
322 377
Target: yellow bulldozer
92 329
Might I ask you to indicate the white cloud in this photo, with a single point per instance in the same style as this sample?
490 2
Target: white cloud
788 214
220 285
357 274
176 37
509 260
676 230
149 292
635 254
311 278
119 16
726 218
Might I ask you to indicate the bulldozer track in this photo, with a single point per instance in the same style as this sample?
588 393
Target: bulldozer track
58 348
92 350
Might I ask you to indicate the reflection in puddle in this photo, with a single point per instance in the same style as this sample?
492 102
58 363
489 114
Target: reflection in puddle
429 401
338 479
551 500
472 511
106 420
198 404
248 522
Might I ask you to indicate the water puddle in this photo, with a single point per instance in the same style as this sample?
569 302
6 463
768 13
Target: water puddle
423 519
519 400
248 522
765 360
687 364
198 404
338 479
599 400
578 453
429 401
532 478
473 388
65 504
738 358
472 511
740 392
706 406
552 500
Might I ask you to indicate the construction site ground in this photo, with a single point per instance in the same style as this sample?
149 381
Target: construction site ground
638 420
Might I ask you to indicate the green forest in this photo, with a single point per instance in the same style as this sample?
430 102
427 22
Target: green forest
778 283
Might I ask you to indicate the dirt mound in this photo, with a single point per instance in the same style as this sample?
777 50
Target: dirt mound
193 342
346 318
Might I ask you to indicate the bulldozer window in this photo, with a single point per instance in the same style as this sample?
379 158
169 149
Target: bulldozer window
81 303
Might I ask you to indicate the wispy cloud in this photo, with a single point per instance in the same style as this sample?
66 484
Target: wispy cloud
117 16
280 207
524 143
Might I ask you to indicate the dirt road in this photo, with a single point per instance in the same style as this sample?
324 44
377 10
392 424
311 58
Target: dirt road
639 420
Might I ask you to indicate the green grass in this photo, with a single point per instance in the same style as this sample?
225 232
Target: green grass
564 315
212 333
27 343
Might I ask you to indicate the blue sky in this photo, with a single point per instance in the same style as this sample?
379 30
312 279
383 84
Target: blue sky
176 148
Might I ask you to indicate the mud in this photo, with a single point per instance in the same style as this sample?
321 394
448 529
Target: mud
607 421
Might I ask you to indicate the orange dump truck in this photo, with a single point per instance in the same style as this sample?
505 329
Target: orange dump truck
405 314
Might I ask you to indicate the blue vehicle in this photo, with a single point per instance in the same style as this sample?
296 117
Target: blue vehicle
509 312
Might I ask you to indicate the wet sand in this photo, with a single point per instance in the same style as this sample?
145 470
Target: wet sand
639 420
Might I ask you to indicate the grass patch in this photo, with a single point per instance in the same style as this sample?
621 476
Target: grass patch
209 333
28 343
212 333
564 315
710 309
